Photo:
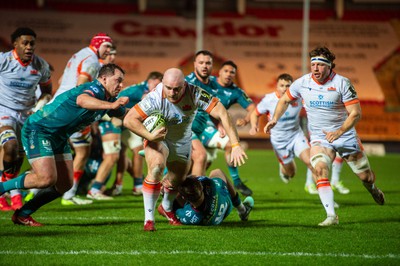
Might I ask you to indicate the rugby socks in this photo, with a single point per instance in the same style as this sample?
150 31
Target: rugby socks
237 203
326 195
15 192
336 169
138 182
151 192
168 199
72 192
15 183
96 187
43 197
234 173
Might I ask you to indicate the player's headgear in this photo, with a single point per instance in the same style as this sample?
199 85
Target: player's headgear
99 39
22 31
321 59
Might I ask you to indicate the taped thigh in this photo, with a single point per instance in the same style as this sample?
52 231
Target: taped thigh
7 135
320 157
112 146
360 166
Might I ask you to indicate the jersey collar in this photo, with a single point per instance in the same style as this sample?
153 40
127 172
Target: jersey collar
14 52
330 77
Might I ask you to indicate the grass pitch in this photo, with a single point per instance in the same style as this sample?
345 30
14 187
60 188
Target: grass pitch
282 228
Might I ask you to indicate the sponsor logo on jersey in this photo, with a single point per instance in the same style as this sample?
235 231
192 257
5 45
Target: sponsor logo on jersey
187 107
321 103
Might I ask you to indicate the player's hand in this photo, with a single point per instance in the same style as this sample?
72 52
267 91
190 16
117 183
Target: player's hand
120 102
253 131
238 156
158 134
221 130
269 126
167 183
332 136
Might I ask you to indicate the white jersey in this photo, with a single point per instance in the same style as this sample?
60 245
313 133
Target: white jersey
324 103
85 62
288 125
18 81
178 116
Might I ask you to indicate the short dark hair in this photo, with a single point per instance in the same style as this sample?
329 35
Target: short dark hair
285 76
325 52
203 52
229 63
191 189
109 70
155 75
22 31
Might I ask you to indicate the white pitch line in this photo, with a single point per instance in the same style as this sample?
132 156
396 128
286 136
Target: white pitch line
207 253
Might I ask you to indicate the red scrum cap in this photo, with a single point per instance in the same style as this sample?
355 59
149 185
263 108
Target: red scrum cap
99 39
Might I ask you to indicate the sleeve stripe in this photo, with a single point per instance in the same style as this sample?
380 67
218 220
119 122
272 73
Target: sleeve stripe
213 103
140 111
290 95
352 102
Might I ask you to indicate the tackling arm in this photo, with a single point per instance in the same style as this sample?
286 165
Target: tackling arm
244 121
91 103
237 154
253 122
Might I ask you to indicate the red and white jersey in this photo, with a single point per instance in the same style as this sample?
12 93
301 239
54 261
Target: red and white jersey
288 125
85 62
18 81
178 116
324 103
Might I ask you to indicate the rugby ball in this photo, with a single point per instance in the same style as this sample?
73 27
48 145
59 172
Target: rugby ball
154 121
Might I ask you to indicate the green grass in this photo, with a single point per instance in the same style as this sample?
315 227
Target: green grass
281 230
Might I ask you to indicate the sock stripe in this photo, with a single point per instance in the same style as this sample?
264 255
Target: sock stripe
149 187
323 182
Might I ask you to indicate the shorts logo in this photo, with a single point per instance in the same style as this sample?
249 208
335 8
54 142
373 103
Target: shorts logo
46 144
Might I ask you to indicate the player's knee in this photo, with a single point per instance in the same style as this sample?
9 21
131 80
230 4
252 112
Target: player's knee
320 161
199 156
9 142
157 171
45 180
111 158
360 166
112 146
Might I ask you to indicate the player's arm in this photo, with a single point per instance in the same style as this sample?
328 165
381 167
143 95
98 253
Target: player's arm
89 102
354 115
280 109
237 154
134 122
82 79
254 117
240 122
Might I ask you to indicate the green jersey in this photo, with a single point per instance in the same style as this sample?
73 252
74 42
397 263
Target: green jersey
232 94
47 131
134 93
202 119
